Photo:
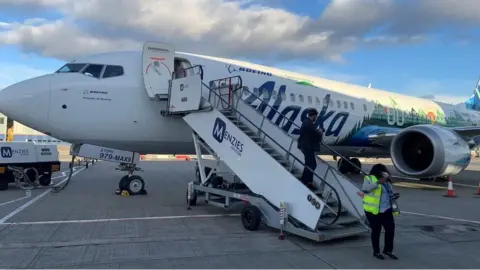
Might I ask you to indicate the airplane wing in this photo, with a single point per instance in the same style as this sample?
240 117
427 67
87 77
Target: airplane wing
385 139
382 139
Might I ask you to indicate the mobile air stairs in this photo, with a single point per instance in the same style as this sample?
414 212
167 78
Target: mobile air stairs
265 160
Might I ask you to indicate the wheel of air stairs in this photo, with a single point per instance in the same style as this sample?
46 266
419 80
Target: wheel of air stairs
251 217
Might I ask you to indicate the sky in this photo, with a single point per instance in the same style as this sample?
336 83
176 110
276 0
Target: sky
415 47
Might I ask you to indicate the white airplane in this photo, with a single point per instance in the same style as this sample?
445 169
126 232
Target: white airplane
114 100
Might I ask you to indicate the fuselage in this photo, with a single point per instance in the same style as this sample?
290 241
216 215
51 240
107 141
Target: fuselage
117 112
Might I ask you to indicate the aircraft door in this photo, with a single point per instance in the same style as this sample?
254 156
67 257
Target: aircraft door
158 66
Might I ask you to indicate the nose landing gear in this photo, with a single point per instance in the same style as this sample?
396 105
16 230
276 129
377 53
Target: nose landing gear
130 184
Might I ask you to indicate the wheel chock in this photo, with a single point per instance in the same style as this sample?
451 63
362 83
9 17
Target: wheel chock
125 193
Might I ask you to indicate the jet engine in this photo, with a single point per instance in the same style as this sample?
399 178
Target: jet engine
425 151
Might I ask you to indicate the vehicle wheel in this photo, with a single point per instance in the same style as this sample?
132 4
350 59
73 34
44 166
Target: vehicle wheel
45 179
251 217
357 163
122 183
193 199
3 183
134 185
30 172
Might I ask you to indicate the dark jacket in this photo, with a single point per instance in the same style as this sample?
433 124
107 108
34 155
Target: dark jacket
309 138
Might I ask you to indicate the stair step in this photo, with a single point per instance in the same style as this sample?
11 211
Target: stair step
335 233
327 212
342 220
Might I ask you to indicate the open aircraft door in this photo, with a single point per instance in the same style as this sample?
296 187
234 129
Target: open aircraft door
158 66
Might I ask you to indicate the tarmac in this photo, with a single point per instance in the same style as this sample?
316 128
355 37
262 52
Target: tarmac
87 226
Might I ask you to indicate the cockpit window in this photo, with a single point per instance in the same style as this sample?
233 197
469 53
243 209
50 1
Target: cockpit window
113 71
71 68
93 70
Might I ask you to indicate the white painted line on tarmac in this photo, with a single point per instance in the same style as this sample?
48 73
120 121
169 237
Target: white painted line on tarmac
465 185
120 219
27 204
28 194
442 217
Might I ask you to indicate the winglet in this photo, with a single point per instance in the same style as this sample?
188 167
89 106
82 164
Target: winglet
473 103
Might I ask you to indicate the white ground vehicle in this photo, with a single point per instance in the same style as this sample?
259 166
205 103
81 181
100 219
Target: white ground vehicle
27 164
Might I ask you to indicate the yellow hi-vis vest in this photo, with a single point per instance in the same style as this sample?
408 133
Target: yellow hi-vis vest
371 200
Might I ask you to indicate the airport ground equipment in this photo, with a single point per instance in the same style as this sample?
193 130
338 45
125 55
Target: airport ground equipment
133 184
265 159
27 164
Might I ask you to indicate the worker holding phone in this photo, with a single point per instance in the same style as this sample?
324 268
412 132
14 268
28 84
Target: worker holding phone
379 203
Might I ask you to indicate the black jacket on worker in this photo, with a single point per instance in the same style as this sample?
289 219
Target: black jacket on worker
309 138
308 142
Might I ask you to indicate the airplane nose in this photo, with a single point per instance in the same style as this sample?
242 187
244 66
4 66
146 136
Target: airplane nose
27 101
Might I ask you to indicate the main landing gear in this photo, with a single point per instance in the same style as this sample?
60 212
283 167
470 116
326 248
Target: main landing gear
130 184
346 167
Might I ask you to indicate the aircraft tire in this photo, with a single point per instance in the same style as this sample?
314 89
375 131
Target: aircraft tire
342 166
121 183
357 162
134 185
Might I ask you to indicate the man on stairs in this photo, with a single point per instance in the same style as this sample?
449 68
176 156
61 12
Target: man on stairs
309 140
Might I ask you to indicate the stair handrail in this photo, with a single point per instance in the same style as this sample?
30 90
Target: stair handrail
295 125
339 203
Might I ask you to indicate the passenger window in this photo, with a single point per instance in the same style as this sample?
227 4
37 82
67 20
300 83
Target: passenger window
113 71
331 102
2 120
325 101
317 100
309 99
352 106
283 96
255 91
93 70
300 98
71 68
292 97
274 95
339 104
345 105
365 107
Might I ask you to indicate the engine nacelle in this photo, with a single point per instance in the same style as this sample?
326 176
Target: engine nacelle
429 151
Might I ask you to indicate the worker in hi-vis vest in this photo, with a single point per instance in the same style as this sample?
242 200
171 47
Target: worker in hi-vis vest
379 203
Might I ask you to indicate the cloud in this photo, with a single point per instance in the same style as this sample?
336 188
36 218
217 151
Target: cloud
232 28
